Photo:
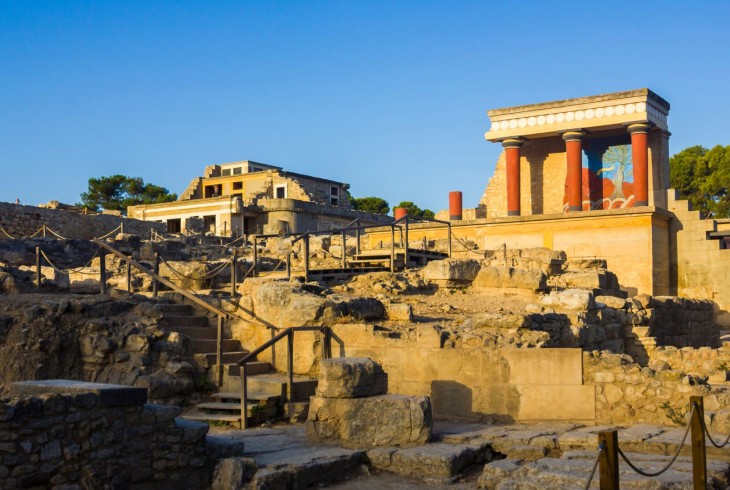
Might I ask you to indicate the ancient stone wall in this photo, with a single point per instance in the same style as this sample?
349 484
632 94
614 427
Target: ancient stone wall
23 221
626 392
82 441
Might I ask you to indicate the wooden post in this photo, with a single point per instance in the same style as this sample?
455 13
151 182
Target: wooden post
129 276
449 240
102 271
288 265
699 456
357 237
405 253
121 228
244 397
38 267
306 257
289 365
156 270
344 249
219 351
255 256
233 274
44 230
608 460
392 248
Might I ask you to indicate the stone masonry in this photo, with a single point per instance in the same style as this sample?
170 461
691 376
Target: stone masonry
90 435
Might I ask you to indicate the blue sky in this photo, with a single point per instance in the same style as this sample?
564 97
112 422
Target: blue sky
389 96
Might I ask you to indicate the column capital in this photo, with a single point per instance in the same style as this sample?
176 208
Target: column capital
574 135
513 142
639 128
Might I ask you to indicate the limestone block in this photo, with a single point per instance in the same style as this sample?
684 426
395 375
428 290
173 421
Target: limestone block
451 272
400 312
233 473
610 302
351 377
497 471
509 277
384 420
283 304
571 299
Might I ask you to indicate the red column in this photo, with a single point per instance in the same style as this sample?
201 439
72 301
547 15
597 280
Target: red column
455 205
398 213
512 151
640 160
574 179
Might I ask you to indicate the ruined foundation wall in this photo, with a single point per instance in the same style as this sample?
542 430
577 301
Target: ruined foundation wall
22 221
56 439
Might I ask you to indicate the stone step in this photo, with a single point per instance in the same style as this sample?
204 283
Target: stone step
209 346
274 384
199 333
255 415
229 407
252 368
235 398
176 321
230 357
176 309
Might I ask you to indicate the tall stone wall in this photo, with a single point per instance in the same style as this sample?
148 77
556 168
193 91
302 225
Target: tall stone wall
23 221
700 266
84 440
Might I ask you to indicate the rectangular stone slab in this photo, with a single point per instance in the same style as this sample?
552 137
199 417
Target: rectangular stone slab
110 395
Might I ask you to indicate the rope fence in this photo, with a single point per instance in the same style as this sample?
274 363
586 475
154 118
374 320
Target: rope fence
66 270
610 451
601 447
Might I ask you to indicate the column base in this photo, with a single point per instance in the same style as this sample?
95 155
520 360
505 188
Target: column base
575 208
641 203
513 213
455 217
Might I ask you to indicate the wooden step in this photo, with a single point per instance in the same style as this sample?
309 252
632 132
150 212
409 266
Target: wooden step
177 321
209 346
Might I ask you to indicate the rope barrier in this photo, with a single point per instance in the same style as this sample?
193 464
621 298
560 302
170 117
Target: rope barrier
208 275
69 269
466 247
110 233
281 261
671 462
712 441
601 447
6 233
54 233
39 230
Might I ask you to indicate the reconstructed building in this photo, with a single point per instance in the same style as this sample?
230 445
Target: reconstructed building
590 176
253 198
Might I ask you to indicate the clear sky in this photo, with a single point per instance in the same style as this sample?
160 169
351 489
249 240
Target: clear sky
389 96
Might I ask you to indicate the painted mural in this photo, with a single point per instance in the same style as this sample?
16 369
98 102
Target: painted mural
607 174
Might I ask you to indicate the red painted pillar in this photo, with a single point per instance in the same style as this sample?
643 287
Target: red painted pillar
640 160
512 151
398 213
455 205
574 179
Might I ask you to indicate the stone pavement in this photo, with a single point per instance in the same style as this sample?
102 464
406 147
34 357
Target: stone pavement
503 457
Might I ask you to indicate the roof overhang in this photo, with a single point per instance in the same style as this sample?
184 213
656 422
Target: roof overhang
597 112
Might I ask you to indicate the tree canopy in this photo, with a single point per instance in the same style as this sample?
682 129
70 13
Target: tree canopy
117 192
415 211
702 176
370 204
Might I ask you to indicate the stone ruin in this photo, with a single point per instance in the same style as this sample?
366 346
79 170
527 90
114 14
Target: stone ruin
480 338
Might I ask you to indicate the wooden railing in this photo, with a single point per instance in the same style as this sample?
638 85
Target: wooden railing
287 333
157 278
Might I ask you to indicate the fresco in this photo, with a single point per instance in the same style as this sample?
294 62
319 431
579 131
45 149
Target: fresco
607 174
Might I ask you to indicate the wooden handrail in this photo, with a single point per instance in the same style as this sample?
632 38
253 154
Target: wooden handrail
192 297
287 333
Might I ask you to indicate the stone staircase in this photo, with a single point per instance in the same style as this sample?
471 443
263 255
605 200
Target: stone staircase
266 388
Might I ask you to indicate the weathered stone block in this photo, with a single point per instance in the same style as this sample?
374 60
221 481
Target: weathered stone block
509 277
571 299
351 377
451 272
384 420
